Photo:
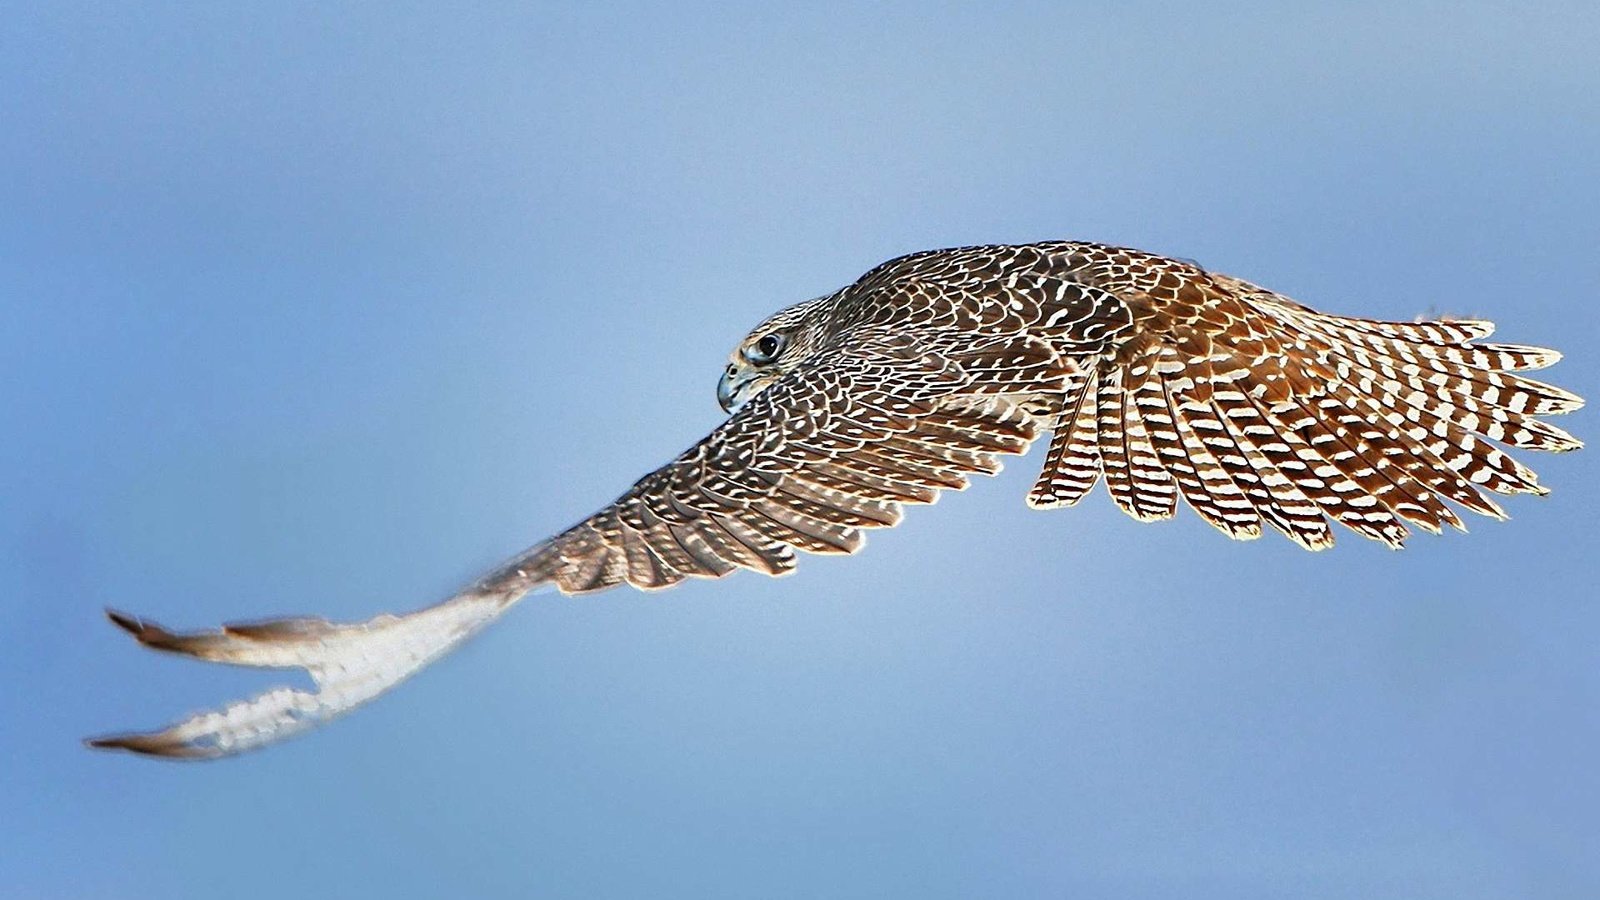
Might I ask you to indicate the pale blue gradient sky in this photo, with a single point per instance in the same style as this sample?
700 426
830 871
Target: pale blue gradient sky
326 308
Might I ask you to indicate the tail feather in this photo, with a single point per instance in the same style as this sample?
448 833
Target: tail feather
1378 453
1450 432
1443 356
1262 409
1501 407
1319 449
1333 459
1446 331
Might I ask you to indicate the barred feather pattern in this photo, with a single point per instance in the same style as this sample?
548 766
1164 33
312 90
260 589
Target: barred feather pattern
1160 379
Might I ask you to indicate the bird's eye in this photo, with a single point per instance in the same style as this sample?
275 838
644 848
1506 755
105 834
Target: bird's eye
765 350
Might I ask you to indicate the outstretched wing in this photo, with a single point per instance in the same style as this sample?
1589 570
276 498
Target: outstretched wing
835 447
1257 409
1166 380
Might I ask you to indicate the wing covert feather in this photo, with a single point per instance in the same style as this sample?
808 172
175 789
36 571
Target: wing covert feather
829 450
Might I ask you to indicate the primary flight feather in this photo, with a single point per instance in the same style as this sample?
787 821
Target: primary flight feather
1158 377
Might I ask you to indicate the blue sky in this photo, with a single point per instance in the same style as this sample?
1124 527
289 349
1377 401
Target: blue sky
325 308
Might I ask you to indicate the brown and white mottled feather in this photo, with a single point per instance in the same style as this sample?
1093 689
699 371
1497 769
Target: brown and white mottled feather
1162 379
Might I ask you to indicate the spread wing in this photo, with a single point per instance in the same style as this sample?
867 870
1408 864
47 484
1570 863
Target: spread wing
835 447
1257 409
1162 379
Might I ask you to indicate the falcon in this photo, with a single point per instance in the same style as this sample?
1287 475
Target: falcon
1152 375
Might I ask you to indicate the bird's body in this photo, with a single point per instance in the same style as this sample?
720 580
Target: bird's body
1163 379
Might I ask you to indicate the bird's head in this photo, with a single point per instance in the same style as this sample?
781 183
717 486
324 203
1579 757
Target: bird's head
770 351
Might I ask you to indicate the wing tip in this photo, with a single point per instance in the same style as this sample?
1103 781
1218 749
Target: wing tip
155 636
127 622
156 744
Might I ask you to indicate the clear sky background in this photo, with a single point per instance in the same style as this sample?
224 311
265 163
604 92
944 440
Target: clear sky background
328 307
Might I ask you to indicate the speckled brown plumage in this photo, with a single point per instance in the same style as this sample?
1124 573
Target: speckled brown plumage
1160 378
1153 375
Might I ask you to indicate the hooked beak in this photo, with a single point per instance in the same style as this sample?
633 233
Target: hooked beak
730 388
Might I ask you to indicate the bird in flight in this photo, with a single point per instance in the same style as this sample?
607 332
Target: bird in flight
1153 375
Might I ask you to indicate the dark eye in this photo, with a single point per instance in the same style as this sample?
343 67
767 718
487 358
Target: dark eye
766 349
